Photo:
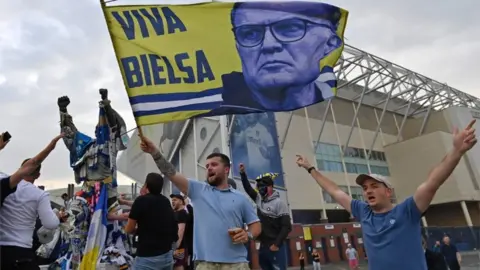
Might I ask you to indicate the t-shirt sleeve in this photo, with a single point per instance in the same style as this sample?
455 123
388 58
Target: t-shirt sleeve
136 210
358 209
181 217
194 188
5 189
249 213
45 212
410 207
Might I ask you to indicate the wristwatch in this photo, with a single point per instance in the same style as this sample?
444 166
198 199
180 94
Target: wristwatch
250 236
309 170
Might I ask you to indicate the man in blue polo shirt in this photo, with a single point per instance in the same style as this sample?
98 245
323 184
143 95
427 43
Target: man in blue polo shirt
391 232
220 213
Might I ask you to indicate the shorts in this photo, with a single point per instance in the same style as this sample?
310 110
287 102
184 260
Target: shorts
201 265
180 257
353 263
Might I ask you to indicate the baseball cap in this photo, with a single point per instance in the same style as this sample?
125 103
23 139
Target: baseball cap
178 196
377 177
266 179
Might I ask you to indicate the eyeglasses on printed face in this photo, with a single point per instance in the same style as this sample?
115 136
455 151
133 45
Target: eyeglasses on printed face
285 31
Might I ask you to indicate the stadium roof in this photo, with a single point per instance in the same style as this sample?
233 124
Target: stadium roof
383 84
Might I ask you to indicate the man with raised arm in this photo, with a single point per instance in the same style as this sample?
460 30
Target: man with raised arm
220 212
274 216
389 229
9 183
20 211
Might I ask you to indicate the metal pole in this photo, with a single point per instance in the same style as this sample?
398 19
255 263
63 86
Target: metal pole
356 109
342 153
425 119
231 124
179 140
404 120
210 141
195 147
363 141
324 120
381 131
379 123
285 134
224 136
180 167
309 129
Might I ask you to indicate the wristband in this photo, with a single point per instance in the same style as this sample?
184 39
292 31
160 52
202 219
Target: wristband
309 170
250 236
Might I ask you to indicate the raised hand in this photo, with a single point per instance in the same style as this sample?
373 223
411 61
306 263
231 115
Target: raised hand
147 145
103 93
241 167
63 102
303 162
53 143
464 140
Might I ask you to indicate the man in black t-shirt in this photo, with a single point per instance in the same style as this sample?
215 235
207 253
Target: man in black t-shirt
181 253
156 226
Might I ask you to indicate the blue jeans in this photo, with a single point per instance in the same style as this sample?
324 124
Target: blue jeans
268 259
161 262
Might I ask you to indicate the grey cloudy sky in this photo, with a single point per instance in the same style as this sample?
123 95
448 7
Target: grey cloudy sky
51 48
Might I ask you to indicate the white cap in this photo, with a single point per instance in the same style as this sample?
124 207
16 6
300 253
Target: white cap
377 177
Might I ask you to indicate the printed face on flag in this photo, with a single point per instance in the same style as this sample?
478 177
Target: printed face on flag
186 61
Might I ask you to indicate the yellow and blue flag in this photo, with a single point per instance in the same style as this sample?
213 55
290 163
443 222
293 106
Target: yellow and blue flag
183 61
97 233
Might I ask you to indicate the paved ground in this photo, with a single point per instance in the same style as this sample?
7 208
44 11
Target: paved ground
470 261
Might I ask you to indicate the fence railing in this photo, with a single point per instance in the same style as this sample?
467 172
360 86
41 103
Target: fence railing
465 238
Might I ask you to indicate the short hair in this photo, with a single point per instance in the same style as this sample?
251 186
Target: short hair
223 158
38 168
310 9
154 183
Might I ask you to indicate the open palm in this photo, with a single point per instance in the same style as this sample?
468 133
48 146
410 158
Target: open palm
465 139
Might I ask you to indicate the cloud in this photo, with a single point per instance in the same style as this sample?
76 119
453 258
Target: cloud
53 48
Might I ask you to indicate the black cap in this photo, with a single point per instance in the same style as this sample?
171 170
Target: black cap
178 196
266 179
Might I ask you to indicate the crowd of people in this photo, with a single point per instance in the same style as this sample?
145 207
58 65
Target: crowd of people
213 234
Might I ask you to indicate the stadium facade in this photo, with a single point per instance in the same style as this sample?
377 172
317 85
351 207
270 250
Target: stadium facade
385 119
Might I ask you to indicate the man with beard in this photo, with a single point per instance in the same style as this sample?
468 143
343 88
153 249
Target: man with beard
180 255
390 232
274 216
221 212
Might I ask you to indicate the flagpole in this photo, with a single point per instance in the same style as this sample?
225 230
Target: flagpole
103 5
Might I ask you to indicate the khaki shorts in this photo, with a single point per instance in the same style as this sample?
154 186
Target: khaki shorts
221 266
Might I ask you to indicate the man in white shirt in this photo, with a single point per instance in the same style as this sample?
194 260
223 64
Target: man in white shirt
19 213
258 142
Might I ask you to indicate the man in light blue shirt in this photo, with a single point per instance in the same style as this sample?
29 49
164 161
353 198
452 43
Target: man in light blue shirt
220 213
390 232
